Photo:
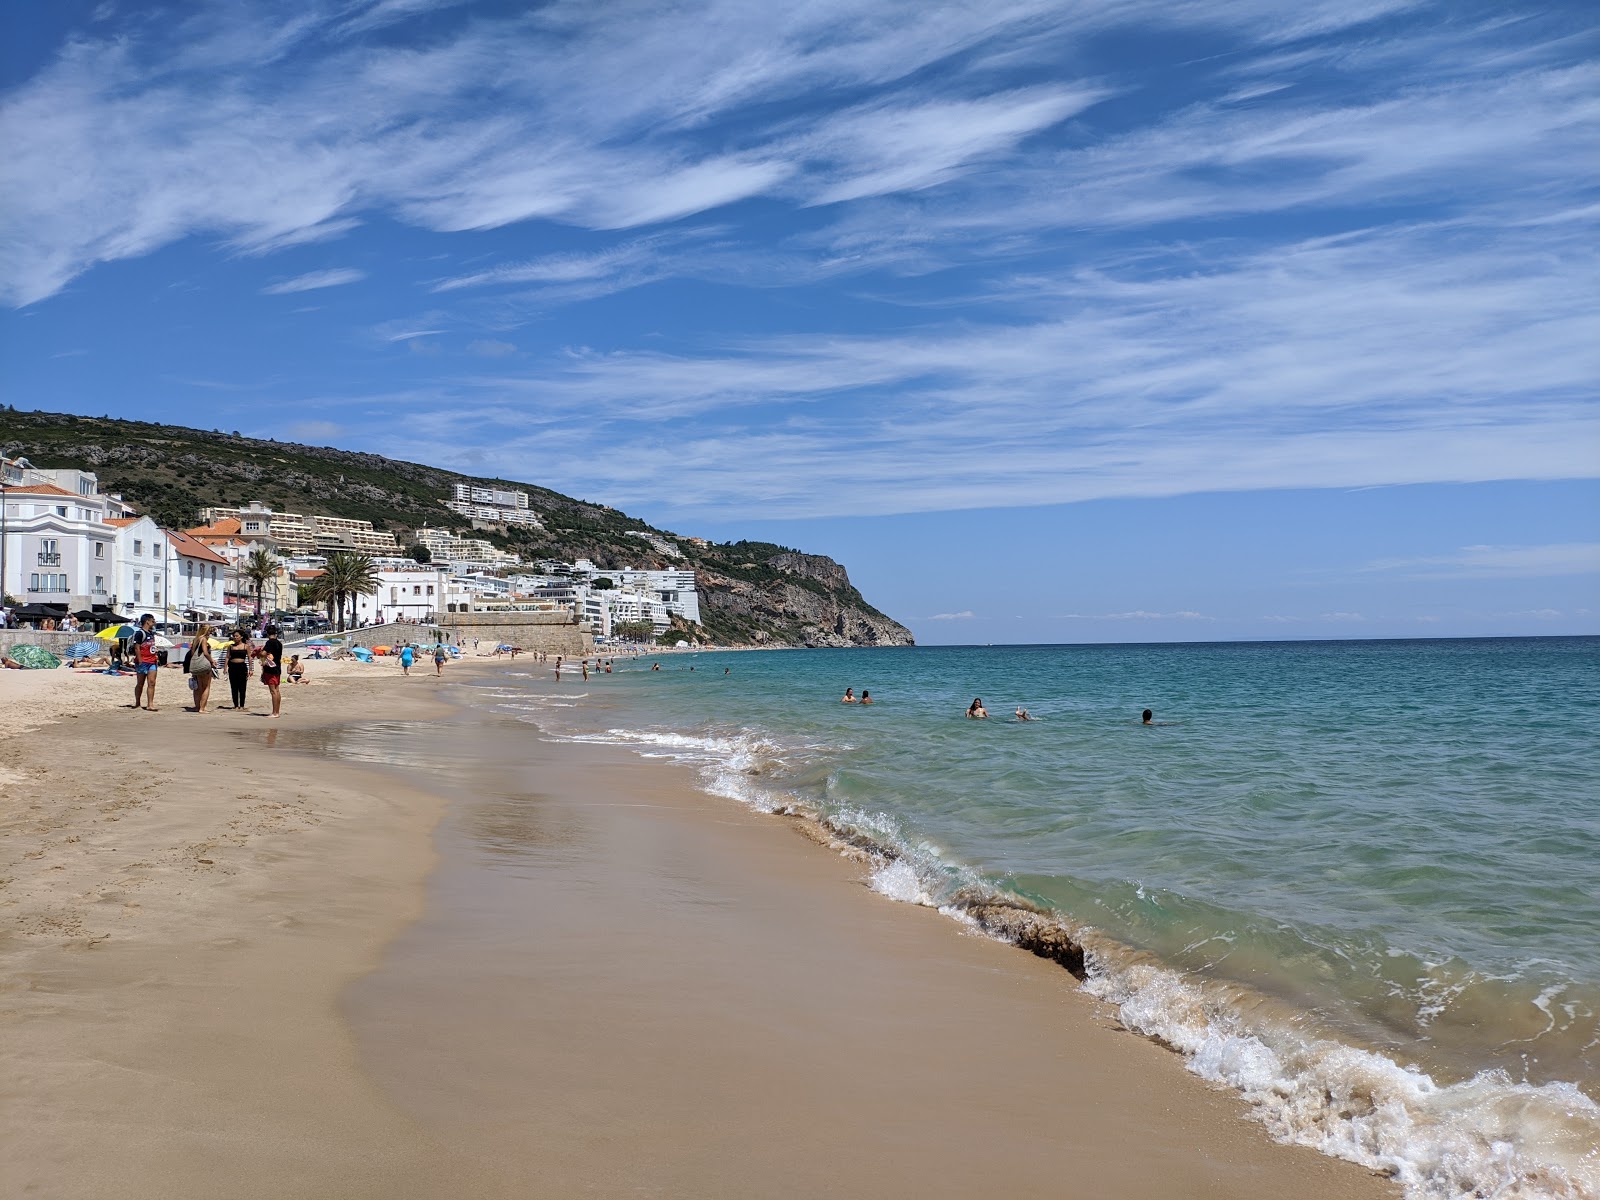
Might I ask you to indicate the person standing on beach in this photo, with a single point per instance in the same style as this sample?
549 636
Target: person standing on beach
202 667
405 660
272 667
146 663
438 661
238 668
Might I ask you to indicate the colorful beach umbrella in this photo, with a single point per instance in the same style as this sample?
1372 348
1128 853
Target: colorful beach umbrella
86 649
35 658
112 632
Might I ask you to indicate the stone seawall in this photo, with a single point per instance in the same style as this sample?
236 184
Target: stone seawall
552 633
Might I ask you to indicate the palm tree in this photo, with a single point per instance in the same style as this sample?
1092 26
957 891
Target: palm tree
345 574
259 568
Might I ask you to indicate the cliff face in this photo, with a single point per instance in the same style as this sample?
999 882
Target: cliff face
810 602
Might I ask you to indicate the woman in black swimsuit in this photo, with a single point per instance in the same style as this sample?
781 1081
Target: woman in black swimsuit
238 667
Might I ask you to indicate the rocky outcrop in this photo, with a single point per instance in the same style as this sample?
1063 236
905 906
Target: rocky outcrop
805 600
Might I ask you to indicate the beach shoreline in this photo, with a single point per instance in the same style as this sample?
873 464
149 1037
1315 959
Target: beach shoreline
225 976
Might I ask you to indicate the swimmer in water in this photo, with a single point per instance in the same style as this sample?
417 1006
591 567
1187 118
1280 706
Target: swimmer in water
849 696
976 711
1147 717
866 696
1024 715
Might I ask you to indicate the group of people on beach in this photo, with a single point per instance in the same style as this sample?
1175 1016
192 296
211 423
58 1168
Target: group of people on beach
202 664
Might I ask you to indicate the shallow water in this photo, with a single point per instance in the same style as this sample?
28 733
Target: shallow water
1357 880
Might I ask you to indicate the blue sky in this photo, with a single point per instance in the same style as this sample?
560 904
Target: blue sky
1054 321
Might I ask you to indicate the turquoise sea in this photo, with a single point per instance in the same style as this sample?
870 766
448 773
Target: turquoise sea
1357 881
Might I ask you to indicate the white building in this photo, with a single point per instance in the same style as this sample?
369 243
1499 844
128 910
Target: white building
414 593
501 506
58 549
142 554
603 609
197 580
463 553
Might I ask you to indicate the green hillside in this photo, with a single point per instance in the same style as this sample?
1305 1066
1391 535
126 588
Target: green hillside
172 472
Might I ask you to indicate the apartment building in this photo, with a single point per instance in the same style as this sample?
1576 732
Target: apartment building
414 593
302 533
197 580
490 505
463 553
56 548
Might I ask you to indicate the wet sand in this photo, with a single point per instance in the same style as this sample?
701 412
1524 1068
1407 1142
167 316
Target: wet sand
270 975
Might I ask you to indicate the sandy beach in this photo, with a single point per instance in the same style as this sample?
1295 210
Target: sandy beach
391 945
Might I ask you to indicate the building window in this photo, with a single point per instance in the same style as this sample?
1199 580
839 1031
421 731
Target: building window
100 585
138 547
99 549
61 510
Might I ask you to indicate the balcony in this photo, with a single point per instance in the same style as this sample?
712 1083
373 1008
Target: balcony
49 560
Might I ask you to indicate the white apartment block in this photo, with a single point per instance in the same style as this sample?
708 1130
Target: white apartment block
463 553
494 505
58 548
603 609
302 533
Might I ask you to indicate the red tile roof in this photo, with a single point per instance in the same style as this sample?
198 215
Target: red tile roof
123 522
41 489
187 547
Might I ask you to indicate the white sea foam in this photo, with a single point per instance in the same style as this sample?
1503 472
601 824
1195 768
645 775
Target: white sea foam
1486 1137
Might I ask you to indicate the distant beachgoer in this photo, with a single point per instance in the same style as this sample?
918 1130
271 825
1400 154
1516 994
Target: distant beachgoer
849 696
725 670
438 661
297 670
656 667
148 663
272 667
1147 717
866 696
11 664
238 668
976 711
586 670
1024 715
406 659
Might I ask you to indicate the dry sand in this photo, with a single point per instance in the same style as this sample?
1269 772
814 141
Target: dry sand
605 984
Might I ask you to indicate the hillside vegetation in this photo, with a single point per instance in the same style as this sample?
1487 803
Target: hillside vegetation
751 592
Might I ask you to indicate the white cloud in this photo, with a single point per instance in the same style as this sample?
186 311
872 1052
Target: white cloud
313 280
964 615
1136 615
1499 562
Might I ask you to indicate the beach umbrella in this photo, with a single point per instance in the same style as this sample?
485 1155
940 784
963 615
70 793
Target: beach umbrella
35 658
163 643
362 653
87 649
319 645
112 632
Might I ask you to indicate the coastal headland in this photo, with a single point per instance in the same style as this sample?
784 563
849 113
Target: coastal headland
393 946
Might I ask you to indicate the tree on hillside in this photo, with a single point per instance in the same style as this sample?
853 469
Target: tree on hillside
260 568
419 552
344 575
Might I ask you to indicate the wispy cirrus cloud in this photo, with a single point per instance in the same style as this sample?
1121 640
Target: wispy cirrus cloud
963 615
1498 562
313 280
